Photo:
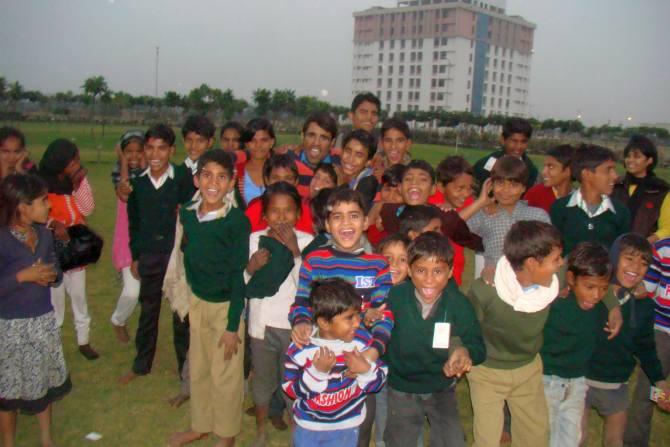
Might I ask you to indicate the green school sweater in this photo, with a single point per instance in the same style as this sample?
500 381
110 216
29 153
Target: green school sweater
614 360
481 174
576 226
414 365
570 335
512 338
215 255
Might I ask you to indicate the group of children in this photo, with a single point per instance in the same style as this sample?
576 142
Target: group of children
335 266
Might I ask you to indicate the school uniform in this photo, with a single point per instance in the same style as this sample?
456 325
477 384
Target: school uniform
482 168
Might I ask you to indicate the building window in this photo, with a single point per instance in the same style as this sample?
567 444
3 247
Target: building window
381 57
402 57
381 44
392 44
390 70
467 99
379 71
436 41
418 69
399 96
419 57
400 82
435 55
416 96
397 107
412 56
443 69
388 96
435 68
411 82
432 96
445 27
443 55
379 83
433 83
445 13
411 69
444 41
389 83
468 85
440 96
402 70
410 96
418 83
441 83
391 56
402 44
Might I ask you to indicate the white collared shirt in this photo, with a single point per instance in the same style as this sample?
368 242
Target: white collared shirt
192 165
169 172
576 199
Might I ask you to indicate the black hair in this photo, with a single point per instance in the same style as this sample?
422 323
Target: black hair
589 259
7 132
422 165
328 169
452 167
319 208
324 120
131 136
160 132
633 242
281 188
393 174
365 97
16 189
645 146
398 124
416 217
279 161
530 239
365 138
517 125
200 125
430 245
232 125
255 125
220 157
331 297
510 168
563 153
397 238
342 194
590 156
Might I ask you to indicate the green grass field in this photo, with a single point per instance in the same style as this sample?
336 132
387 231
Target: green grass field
137 414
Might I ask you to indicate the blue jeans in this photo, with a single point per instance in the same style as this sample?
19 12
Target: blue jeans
303 437
565 401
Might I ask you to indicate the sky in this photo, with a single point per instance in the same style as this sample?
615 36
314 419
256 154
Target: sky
604 59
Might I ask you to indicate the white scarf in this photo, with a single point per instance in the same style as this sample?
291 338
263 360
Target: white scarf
511 292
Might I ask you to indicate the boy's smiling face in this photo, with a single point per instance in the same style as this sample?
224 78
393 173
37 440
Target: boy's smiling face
316 142
430 276
365 116
395 145
416 187
354 158
342 326
602 178
157 153
458 190
507 192
346 223
396 254
214 182
631 268
554 173
516 144
588 290
542 272
196 145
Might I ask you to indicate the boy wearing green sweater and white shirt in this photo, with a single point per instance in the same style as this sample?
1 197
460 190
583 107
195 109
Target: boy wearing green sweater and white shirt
216 251
436 338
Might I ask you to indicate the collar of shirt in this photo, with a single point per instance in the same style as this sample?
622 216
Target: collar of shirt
305 161
169 172
192 165
576 199
364 173
210 215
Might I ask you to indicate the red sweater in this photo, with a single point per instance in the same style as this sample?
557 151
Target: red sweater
540 196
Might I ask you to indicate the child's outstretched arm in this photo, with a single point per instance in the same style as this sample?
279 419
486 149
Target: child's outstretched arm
306 379
83 197
301 314
381 327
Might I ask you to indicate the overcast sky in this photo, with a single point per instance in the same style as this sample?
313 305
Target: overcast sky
607 59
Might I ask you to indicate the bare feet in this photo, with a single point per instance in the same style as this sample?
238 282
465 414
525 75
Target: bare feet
261 440
506 438
278 422
251 411
178 400
128 377
121 334
185 437
225 442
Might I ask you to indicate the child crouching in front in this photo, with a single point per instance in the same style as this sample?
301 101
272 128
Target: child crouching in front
329 377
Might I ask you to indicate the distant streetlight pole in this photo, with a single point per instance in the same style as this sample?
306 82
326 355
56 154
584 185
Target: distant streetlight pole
156 78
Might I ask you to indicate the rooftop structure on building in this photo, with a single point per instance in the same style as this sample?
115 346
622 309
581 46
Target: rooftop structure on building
455 55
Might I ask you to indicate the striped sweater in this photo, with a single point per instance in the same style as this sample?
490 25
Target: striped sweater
330 401
368 273
657 282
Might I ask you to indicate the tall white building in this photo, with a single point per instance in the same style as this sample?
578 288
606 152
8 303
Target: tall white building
456 55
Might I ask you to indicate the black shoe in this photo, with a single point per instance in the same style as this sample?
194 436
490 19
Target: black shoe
88 352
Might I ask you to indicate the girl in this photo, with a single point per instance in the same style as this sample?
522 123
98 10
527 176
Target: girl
13 153
130 165
269 328
230 138
71 200
33 373
324 176
261 140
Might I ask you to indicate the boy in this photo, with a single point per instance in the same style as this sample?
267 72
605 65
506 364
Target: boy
516 133
588 214
212 225
509 176
512 315
422 362
152 216
418 219
614 360
198 133
569 341
358 150
364 114
556 178
328 376
318 134
396 142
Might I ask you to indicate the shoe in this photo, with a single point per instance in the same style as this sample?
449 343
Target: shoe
278 423
121 333
88 352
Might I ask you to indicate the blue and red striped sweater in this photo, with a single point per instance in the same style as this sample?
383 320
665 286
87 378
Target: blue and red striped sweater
330 401
368 273
657 282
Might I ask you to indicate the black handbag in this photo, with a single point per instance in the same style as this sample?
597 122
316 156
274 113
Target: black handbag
83 248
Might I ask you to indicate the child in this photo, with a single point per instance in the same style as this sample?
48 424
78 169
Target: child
213 225
318 133
319 209
364 114
269 328
324 177
71 199
613 361
657 283
418 219
556 178
33 373
345 258
588 214
329 376
570 339
508 179
198 134
394 249
152 216
260 140
396 142
512 315
516 133
359 148
130 165
13 153
388 193
421 362
230 140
